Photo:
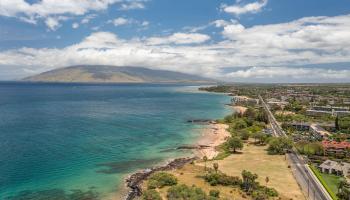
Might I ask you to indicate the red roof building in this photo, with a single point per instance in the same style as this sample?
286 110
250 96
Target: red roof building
335 144
337 149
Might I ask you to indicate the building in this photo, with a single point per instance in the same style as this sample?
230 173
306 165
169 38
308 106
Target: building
337 168
337 149
244 99
330 108
298 126
318 131
312 112
277 102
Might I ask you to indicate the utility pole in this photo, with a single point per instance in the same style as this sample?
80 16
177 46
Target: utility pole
308 187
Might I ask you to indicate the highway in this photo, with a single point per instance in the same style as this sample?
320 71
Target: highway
308 182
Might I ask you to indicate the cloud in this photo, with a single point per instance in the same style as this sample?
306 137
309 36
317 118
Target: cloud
121 21
244 9
179 38
285 73
88 18
75 25
271 49
52 23
50 10
132 5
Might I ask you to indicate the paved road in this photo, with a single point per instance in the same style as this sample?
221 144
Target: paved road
310 185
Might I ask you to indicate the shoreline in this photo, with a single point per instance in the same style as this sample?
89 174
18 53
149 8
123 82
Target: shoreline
213 135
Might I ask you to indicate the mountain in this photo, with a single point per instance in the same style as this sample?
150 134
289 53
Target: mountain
114 74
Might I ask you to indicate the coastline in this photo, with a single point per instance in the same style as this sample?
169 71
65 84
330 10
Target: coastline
213 135
206 145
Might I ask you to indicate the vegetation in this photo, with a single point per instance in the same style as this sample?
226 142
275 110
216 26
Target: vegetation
216 167
248 184
214 193
279 145
310 148
151 195
184 192
330 182
205 159
344 124
242 127
234 143
222 179
343 190
161 179
249 181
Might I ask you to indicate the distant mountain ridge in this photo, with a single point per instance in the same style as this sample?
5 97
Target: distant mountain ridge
114 74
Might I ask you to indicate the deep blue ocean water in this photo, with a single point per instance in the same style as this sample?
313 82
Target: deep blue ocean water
55 138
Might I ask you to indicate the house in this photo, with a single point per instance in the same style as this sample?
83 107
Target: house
337 168
337 149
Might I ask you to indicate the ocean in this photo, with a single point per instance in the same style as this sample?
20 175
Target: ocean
66 141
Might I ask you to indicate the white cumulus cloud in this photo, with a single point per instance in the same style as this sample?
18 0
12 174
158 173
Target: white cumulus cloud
179 38
238 9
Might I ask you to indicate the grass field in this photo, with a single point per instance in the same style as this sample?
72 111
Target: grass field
255 159
329 181
190 175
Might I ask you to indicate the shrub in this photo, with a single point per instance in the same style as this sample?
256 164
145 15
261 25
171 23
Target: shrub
222 179
214 193
151 195
183 192
259 195
271 192
161 179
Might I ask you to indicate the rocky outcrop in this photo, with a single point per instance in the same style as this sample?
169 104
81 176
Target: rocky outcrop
135 180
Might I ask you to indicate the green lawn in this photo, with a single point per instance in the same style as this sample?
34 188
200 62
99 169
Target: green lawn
330 182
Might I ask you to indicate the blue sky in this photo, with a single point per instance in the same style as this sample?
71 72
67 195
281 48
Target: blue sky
238 40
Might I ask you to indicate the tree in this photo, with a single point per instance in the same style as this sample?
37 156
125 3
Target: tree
279 145
205 159
336 123
250 113
261 137
235 143
343 190
216 167
267 180
249 182
244 135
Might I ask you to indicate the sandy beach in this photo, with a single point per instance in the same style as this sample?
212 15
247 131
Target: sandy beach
211 137
239 109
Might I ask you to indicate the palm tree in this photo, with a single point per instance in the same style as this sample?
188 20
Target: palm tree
205 159
216 167
267 180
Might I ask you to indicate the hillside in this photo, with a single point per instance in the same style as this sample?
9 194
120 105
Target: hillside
114 74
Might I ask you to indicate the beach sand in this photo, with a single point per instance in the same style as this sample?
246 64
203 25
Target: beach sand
212 137
239 109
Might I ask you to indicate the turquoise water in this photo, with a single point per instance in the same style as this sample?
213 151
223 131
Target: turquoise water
55 138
